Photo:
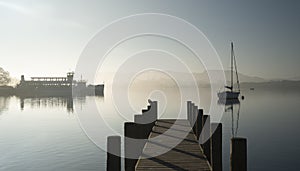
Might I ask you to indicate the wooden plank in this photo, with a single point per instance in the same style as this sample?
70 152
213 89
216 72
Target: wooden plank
179 144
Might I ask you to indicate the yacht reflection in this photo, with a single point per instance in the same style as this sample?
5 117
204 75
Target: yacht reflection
233 107
52 102
228 102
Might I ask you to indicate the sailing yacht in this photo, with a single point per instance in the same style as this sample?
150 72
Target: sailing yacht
230 92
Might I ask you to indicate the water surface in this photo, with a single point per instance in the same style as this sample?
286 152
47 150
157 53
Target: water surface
44 133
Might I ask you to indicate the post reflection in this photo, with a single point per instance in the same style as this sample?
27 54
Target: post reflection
233 107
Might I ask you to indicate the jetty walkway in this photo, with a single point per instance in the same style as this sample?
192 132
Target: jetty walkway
173 144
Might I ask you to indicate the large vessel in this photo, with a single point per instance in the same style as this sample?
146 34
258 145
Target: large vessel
230 92
56 86
81 89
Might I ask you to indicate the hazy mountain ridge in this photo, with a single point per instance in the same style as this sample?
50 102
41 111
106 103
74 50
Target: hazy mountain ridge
287 85
297 78
155 78
242 77
199 77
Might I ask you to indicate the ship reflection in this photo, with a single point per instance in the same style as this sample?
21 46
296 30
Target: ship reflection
4 103
48 102
233 107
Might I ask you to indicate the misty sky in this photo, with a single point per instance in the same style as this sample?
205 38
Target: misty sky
40 37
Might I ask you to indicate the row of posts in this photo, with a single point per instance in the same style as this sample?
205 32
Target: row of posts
135 136
210 137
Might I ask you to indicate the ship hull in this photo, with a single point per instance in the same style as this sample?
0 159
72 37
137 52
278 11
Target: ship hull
43 91
228 95
97 90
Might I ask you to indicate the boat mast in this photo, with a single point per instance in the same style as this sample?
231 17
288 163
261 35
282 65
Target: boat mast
236 72
231 68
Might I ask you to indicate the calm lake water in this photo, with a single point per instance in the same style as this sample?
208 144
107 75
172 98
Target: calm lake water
45 134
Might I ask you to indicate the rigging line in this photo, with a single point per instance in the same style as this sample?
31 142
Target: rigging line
231 68
236 72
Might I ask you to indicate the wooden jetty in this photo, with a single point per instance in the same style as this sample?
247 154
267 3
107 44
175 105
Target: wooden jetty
187 155
173 144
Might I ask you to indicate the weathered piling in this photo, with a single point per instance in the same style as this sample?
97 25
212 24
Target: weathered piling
206 136
146 120
134 141
136 134
190 112
189 104
216 147
194 121
238 154
199 123
113 161
130 146
143 127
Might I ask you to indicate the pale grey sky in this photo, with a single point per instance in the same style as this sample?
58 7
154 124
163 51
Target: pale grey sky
46 37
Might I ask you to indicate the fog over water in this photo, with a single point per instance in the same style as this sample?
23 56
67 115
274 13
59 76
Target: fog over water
44 133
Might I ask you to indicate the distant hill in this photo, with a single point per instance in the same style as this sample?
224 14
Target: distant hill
295 78
155 78
271 85
185 78
203 77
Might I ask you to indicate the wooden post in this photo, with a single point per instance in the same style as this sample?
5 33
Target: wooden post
238 154
195 115
129 146
154 110
188 109
206 134
113 161
190 113
135 138
199 123
216 147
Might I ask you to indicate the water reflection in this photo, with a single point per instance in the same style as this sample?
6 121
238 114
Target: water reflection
40 102
47 102
232 106
4 103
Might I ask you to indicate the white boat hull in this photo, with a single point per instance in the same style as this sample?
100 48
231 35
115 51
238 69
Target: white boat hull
228 95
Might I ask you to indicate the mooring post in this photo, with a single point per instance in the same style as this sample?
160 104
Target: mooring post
191 111
206 136
113 161
238 154
199 123
130 133
195 115
141 129
216 147
153 110
188 109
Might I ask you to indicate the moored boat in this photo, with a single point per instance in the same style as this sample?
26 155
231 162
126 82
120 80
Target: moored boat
230 92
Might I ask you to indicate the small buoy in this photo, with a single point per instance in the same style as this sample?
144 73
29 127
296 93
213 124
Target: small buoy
243 97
